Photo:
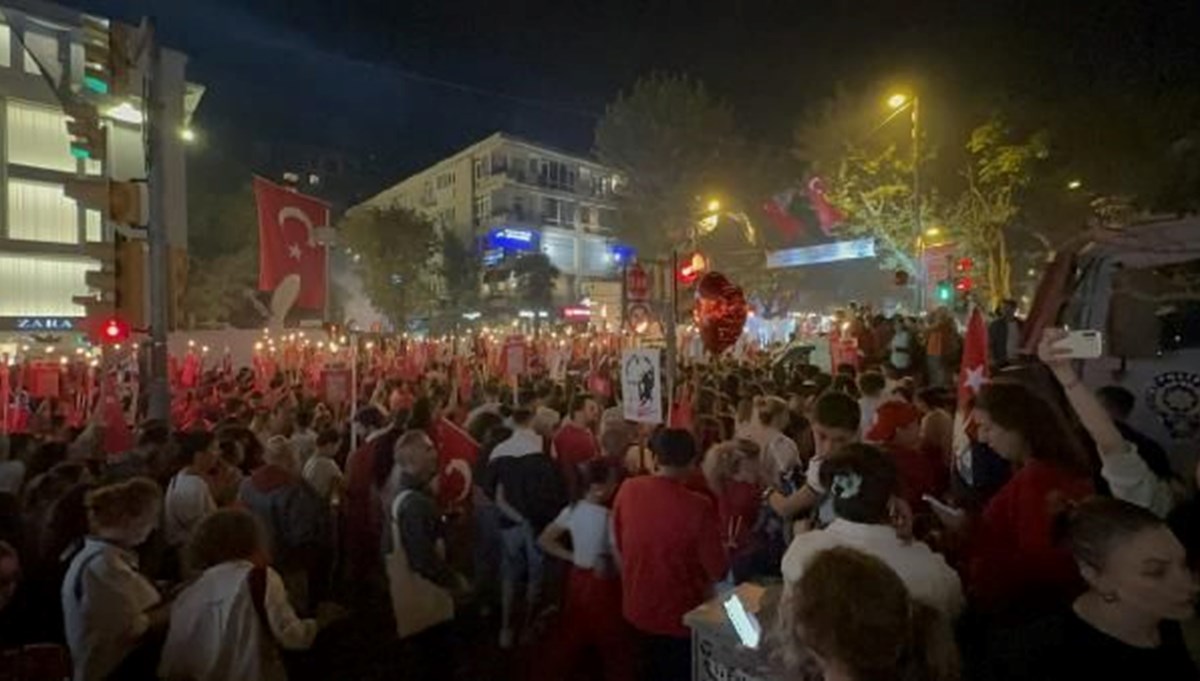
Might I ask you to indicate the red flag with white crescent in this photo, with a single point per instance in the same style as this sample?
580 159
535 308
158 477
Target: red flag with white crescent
287 241
972 376
457 454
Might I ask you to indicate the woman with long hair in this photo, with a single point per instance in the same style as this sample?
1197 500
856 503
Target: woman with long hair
851 618
1014 563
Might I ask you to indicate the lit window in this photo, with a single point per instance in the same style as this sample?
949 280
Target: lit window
40 211
94 225
41 52
42 286
5 46
37 136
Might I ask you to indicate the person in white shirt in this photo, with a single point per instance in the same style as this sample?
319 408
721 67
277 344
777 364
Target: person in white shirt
109 608
188 497
862 482
781 456
229 624
321 471
871 384
592 606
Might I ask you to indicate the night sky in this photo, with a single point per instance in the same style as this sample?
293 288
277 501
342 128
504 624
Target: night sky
412 81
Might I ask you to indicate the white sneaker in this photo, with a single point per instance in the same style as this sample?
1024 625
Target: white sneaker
506 639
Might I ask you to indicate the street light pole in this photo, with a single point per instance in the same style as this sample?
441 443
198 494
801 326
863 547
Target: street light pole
922 269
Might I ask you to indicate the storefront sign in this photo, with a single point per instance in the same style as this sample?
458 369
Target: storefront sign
40 324
513 238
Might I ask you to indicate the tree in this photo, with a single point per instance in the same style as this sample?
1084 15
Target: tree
668 138
397 253
461 273
984 214
535 280
868 173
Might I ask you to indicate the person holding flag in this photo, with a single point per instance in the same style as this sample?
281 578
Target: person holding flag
1014 566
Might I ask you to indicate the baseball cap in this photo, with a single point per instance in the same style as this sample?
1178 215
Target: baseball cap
891 417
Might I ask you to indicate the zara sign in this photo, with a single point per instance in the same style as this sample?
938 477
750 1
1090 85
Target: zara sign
40 324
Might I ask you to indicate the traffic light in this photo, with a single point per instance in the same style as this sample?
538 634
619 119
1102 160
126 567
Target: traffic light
125 203
88 137
691 267
945 291
110 51
114 330
963 285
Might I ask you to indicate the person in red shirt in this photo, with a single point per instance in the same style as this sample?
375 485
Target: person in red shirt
897 429
734 474
1015 566
576 444
668 541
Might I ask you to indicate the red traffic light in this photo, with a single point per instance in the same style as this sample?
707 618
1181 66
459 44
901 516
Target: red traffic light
114 330
691 268
963 285
964 265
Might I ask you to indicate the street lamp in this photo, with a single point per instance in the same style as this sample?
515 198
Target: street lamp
1074 184
898 102
187 135
714 205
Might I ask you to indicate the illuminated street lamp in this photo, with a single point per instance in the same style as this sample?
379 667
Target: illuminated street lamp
714 205
187 135
897 100
933 232
1074 184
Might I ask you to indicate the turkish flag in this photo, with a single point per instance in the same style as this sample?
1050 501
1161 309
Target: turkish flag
971 377
457 454
287 241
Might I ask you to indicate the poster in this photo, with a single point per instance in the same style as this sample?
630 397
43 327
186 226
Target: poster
336 385
514 356
641 385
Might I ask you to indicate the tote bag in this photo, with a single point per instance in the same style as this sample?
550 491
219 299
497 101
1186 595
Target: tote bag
417 603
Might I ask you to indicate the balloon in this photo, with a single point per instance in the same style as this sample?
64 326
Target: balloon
720 312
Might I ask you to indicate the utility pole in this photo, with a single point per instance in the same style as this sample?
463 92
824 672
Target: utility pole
157 129
922 269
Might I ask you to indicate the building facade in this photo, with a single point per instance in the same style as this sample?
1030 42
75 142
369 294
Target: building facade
45 235
506 196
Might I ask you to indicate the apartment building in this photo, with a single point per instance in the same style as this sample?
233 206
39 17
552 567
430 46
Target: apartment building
44 234
507 196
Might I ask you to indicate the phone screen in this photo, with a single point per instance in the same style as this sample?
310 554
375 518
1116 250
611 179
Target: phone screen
747 627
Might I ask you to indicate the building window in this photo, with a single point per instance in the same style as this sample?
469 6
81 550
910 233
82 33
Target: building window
39 211
94 226
518 205
37 286
37 136
585 215
5 46
557 175
41 52
550 211
483 207
482 167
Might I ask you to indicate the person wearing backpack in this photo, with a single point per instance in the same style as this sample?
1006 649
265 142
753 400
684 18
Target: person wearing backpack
232 621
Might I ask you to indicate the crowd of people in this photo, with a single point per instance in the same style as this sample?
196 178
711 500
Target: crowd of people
1060 545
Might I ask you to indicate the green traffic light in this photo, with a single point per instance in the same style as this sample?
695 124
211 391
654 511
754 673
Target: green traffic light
95 85
943 291
80 153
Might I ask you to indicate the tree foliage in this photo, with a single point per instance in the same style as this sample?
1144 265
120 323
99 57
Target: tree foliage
397 253
986 212
670 140
535 280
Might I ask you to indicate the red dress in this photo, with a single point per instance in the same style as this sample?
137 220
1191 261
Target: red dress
1014 563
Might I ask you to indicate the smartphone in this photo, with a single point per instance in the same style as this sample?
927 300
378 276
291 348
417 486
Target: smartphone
941 506
746 625
1083 344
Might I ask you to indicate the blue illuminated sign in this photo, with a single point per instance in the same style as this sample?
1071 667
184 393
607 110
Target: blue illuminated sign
815 255
622 254
513 238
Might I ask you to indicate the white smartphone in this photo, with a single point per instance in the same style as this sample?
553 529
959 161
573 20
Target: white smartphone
1083 344
748 629
941 507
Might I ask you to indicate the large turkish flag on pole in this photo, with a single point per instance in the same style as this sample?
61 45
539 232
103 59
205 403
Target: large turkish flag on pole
287 241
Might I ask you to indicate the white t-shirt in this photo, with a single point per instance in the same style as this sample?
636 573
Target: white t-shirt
928 578
187 501
588 524
304 444
322 473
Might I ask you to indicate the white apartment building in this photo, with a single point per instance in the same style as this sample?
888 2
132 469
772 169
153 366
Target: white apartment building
43 232
508 196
